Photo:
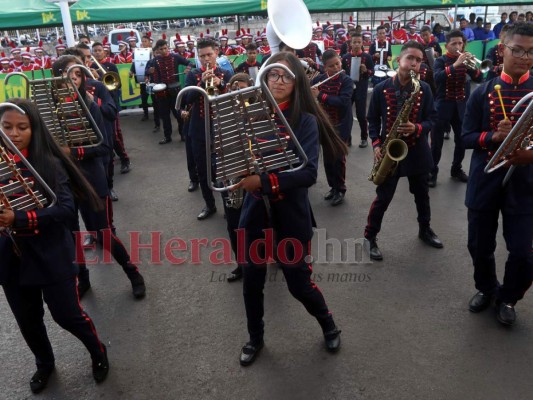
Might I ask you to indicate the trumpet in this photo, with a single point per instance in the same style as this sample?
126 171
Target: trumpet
472 63
210 87
110 79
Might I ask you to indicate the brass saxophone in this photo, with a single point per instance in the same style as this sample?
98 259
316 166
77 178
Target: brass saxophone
394 149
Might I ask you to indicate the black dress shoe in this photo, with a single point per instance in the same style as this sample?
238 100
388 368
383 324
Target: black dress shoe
192 186
249 352
459 175
363 144
429 237
113 195
83 286
329 195
375 252
125 167
479 302
138 286
333 340
156 129
206 213
338 199
39 380
101 367
165 140
432 180
447 135
235 275
506 313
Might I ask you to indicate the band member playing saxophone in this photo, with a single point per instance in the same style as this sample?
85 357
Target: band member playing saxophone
386 106
488 120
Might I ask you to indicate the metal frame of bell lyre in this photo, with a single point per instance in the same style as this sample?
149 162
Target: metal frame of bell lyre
64 119
245 136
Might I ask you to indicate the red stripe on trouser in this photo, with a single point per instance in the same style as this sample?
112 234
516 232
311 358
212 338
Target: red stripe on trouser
87 318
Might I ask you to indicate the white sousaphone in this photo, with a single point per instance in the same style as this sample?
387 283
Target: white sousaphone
289 22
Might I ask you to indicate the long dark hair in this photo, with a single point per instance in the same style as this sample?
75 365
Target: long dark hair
303 101
43 153
60 66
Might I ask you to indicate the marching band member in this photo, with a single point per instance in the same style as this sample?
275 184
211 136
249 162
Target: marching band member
367 41
41 59
387 100
335 97
149 78
290 208
317 33
107 51
90 161
124 56
5 66
16 62
208 74
360 92
429 41
251 60
329 39
191 50
165 70
495 55
265 47
132 42
398 34
60 49
44 269
485 126
450 76
380 48
27 62
223 48
412 34
145 44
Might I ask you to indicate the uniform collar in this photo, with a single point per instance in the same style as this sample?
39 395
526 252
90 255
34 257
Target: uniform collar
450 55
284 106
24 152
508 79
358 54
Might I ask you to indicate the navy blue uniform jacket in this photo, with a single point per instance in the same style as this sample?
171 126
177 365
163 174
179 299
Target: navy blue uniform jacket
483 113
44 238
291 210
384 107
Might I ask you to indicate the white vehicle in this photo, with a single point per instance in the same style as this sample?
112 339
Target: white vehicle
113 37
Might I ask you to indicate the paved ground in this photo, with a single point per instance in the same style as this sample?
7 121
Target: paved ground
406 331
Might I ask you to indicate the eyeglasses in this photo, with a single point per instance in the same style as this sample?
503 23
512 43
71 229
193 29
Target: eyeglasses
519 53
274 77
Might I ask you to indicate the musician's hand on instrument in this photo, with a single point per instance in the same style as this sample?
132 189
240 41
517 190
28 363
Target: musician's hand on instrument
7 217
461 59
406 128
216 80
90 97
184 114
207 74
250 183
151 70
363 69
315 91
504 127
377 154
95 73
520 157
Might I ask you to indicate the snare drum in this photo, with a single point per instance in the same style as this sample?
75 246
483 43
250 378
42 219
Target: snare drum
380 74
160 89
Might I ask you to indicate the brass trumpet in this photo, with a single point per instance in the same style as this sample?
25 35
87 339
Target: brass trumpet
210 86
472 63
110 79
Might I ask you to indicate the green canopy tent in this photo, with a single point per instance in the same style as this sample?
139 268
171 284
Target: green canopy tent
29 14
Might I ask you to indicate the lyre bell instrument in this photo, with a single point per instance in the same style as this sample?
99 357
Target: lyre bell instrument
394 149
474 63
327 79
63 109
244 136
20 193
110 79
519 137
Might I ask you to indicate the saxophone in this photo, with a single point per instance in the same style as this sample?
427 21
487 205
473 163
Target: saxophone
394 149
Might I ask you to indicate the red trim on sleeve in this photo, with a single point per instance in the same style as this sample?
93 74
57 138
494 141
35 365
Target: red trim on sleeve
34 219
482 139
376 142
447 69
